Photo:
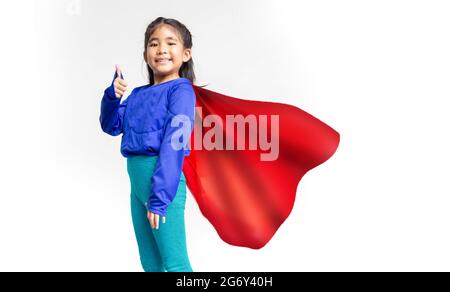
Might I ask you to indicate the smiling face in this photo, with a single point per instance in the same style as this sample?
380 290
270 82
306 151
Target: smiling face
165 53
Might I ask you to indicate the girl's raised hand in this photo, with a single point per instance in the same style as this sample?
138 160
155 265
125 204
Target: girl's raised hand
120 85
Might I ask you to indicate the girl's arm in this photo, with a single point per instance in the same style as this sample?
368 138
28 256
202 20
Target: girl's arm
112 111
166 177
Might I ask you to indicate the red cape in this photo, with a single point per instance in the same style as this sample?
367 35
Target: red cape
244 198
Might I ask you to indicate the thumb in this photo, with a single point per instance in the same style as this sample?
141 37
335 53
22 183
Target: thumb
118 72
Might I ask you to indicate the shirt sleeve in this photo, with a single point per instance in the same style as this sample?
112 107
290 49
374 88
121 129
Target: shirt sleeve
177 131
112 111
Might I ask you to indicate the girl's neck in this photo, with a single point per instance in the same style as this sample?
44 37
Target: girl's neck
162 79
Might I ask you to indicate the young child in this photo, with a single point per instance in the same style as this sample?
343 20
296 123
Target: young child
246 193
151 119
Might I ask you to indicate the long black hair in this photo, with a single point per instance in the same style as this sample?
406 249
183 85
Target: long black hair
187 69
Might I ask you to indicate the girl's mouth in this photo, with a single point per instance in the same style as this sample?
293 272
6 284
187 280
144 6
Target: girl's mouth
163 61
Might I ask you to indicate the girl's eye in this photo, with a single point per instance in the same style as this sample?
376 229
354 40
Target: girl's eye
151 45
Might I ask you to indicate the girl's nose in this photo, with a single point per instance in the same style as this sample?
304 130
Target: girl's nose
162 50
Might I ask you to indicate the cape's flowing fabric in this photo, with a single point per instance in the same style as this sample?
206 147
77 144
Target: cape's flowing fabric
247 199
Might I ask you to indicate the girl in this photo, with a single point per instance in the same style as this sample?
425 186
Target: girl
246 198
149 118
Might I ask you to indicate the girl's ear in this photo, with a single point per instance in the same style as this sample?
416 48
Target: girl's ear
145 57
187 55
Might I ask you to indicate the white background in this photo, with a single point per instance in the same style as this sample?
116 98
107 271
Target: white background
376 71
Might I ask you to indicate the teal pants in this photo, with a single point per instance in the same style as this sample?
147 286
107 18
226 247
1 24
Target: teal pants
163 249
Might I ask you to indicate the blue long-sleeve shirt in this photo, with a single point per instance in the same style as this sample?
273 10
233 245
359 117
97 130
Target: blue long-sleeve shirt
149 118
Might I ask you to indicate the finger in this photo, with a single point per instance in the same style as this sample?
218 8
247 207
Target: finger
163 220
118 71
120 87
119 93
157 221
152 219
122 82
149 217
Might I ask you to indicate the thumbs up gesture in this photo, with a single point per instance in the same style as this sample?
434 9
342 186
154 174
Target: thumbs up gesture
120 85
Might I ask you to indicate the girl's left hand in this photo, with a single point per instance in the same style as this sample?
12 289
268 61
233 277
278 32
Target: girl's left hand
154 220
